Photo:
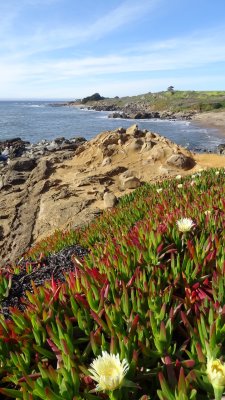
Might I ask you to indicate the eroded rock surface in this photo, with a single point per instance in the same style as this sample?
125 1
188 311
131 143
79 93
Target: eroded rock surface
67 187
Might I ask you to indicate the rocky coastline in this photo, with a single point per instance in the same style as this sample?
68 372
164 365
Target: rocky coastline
16 147
62 184
133 111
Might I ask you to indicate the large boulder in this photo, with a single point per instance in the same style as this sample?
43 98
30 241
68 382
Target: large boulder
181 161
129 181
110 199
221 148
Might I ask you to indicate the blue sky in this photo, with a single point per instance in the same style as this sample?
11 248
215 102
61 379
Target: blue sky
71 49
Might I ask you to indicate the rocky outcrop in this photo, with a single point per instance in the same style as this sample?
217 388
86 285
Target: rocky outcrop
137 110
221 149
136 115
13 148
63 184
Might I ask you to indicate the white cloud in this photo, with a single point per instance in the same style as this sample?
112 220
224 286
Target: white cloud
47 38
181 54
175 55
61 78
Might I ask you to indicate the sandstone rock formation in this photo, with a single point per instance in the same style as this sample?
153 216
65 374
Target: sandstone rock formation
110 199
66 188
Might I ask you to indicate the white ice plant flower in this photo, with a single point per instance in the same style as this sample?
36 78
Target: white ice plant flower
178 177
180 186
207 212
159 190
216 373
185 224
108 371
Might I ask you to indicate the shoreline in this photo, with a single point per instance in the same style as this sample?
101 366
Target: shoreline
208 120
212 120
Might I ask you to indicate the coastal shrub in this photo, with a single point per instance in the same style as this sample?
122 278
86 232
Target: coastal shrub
151 292
93 97
216 106
211 106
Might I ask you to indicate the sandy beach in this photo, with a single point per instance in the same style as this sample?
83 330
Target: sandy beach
212 119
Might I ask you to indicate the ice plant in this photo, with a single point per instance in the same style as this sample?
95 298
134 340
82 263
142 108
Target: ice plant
180 186
185 224
108 371
216 374
207 212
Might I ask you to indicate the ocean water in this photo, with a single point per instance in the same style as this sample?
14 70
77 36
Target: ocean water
37 120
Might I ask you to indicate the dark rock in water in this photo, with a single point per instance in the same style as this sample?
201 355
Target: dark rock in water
9 142
147 115
14 148
221 149
135 115
117 115
60 140
3 157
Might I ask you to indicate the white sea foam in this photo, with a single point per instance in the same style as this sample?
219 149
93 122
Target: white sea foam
35 105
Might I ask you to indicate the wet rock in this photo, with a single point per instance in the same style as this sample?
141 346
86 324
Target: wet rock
14 148
118 115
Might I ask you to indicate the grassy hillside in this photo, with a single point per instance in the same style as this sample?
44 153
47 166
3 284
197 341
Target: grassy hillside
178 101
151 290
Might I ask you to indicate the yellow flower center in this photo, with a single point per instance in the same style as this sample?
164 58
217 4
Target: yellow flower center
216 373
108 371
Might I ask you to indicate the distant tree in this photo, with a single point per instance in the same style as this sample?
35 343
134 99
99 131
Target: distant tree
171 89
93 97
